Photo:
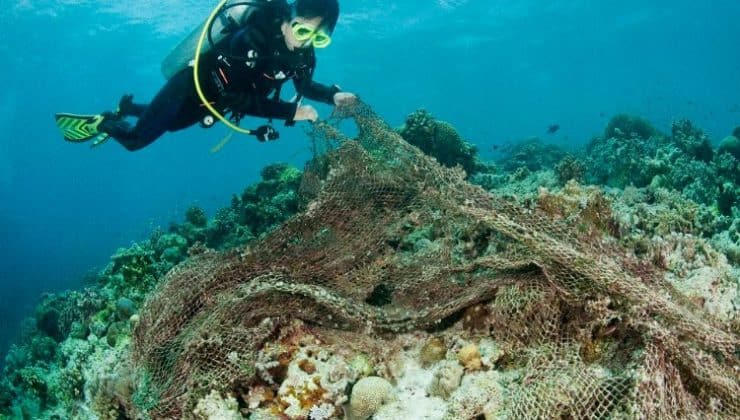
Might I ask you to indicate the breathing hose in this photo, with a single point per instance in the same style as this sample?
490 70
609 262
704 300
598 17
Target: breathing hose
196 66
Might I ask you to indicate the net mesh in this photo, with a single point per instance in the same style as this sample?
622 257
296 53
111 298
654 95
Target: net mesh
593 331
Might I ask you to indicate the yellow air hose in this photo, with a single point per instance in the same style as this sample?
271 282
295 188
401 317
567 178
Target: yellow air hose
196 65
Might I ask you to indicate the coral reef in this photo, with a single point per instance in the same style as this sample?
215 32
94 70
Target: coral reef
44 374
378 283
256 211
270 202
564 295
684 162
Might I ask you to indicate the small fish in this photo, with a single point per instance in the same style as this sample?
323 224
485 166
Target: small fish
553 129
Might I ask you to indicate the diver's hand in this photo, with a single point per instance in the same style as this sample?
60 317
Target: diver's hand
344 98
306 113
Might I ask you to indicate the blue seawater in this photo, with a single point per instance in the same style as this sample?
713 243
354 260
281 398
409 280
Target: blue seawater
499 70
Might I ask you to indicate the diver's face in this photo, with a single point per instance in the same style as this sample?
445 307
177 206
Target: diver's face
290 39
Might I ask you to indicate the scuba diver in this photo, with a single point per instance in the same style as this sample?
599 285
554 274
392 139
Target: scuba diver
253 48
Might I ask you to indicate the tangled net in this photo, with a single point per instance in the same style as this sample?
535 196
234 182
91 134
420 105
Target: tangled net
569 309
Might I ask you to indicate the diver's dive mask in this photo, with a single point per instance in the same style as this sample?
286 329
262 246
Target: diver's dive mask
318 36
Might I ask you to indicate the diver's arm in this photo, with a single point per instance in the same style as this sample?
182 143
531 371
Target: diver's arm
317 91
267 108
314 90
310 89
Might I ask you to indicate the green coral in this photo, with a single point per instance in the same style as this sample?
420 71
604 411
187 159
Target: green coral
620 162
440 140
33 379
263 206
524 184
58 314
570 168
133 262
47 321
728 197
533 155
731 145
125 307
43 348
196 216
171 247
728 167
691 140
625 126
684 162
626 154
6 394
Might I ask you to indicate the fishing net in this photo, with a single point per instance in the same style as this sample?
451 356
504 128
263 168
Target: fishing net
595 334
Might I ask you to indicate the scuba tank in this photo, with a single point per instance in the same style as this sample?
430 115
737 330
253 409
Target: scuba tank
228 24
233 15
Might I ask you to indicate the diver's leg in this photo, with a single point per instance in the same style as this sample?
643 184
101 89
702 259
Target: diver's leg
156 119
127 107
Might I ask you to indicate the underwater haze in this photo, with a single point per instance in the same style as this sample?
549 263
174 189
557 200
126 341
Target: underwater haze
499 70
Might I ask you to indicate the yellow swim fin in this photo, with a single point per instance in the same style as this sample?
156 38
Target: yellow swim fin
81 128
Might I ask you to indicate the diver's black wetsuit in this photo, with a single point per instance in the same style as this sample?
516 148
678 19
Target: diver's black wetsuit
243 83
